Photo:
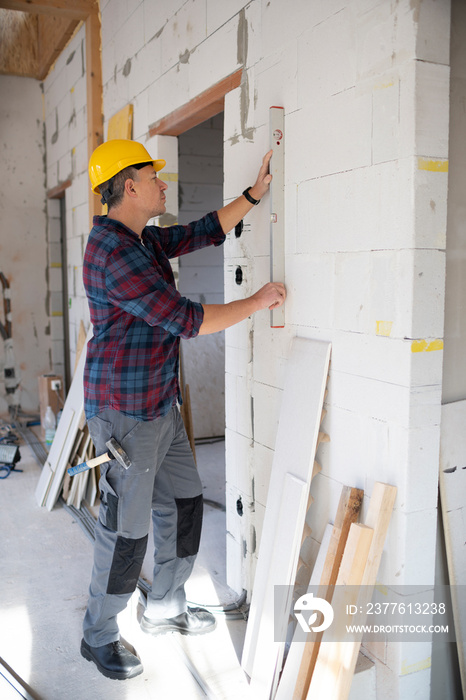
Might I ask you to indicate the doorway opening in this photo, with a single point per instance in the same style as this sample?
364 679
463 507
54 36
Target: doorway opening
200 190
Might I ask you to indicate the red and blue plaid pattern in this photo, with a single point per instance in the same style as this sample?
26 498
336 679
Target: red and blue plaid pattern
138 315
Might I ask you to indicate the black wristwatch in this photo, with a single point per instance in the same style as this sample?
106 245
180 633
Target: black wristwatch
250 199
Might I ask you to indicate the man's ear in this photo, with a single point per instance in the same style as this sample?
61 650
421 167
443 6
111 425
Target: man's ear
129 188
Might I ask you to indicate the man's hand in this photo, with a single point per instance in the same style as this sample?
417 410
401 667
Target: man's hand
271 295
233 212
217 317
264 178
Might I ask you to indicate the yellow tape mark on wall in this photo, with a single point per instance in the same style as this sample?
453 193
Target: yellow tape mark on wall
383 86
435 166
168 177
426 346
406 669
383 327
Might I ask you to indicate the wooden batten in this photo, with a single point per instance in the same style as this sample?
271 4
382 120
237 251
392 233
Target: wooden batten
198 110
58 191
95 128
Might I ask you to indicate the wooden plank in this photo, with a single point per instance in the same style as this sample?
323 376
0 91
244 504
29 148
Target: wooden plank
297 676
95 128
50 482
452 481
336 662
204 106
295 450
332 658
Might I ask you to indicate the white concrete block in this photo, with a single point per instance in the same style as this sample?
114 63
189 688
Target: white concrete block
386 119
183 32
244 407
430 207
432 101
368 398
374 212
146 67
168 92
433 31
242 158
218 14
75 62
276 83
310 289
165 147
237 360
267 402
234 569
317 132
129 39
429 293
239 336
155 18
413 459
386 36
271 349
262 468
114 16
406 561
240 458
205 72
280 23
55 280
331 43
230 405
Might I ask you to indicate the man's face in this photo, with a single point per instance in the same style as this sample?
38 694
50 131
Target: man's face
151 191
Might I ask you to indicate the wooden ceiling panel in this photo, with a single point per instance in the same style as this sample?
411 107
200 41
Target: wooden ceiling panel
33 33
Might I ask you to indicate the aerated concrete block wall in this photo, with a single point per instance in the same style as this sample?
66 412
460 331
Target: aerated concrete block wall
365 89
23 240
66 160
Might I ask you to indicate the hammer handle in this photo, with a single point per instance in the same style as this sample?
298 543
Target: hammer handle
89 464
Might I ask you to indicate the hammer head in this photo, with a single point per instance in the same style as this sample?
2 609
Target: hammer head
118 453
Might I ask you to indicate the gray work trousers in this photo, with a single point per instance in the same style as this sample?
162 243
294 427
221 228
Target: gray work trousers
161 482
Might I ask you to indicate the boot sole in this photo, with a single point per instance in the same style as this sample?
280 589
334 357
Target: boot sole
114 675
157 630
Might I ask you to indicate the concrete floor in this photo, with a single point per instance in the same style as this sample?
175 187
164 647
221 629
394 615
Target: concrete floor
45 566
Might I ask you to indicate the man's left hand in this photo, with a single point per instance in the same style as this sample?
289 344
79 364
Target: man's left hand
264 178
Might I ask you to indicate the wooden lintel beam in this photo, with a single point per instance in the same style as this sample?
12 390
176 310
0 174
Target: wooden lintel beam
204 106
95 127
77 9
58 191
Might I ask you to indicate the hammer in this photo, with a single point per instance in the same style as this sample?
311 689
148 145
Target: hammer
115 451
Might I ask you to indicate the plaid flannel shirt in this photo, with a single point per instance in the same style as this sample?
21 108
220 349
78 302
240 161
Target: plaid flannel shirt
138 315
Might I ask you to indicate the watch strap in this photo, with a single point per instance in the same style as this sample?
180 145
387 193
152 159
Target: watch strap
250 199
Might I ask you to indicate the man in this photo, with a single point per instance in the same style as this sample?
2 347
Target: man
131 393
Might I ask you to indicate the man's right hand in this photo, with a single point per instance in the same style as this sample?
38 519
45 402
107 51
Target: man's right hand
271 295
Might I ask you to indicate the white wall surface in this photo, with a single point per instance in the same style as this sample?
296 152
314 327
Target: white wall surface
23 249
365 89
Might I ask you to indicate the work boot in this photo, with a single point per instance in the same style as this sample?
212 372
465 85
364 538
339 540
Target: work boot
193 621
113 660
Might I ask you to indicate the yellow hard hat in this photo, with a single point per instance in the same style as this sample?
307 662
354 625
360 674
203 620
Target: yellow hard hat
115 155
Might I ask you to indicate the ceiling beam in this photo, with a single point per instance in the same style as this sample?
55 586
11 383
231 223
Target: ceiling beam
77 9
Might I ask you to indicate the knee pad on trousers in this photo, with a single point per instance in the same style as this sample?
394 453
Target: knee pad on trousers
189 525
128 557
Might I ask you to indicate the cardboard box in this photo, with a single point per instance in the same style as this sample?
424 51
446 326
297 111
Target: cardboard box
48 396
